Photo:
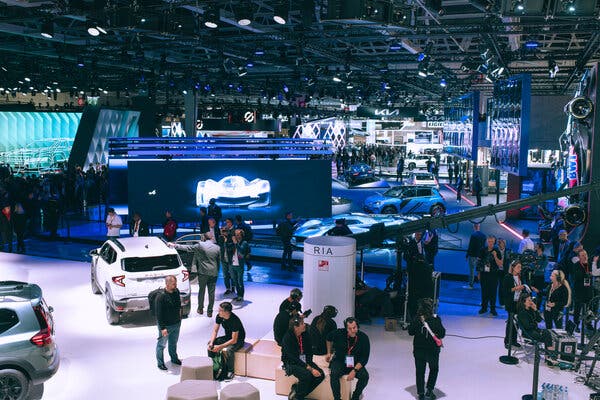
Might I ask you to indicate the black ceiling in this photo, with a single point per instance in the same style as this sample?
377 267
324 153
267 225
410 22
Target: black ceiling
373 46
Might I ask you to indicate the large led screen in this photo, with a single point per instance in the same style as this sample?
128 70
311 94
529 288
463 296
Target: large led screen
256 189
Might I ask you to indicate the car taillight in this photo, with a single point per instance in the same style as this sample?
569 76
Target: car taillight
355 173
118 280
186 275
42 338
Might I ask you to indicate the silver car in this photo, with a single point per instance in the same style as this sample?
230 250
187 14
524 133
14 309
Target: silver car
28 353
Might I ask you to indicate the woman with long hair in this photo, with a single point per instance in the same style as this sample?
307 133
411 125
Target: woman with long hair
427 329
529 317
320 327
559 297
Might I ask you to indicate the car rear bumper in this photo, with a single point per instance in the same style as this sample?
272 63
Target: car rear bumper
42 375
141 303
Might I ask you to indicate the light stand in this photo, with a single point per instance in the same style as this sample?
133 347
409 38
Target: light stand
510 359
536 374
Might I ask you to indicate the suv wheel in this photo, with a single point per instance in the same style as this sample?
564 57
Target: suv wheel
437 210
412 166
111 315
95 288
14 384
388 210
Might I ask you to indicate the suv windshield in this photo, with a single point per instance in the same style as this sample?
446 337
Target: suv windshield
144 264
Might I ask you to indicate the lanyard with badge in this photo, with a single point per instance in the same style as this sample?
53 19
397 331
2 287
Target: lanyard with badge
349 356
302 355
587 280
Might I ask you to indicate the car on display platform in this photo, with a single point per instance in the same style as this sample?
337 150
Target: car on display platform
234 191
126 270
423 179
417 161
407 200
357 222
358 173
28 353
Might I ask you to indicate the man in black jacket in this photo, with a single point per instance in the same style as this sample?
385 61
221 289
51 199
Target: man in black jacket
137 226
281 324
168 318
487 270
425 349
348 352
232 341
285 231
476 244
297 358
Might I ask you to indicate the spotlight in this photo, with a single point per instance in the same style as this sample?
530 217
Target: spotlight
552 68
92 29
243 14
80 62
422 71
518 5
569 6
336 78
47 29
281 12
101 29
242 71
443 83
212 17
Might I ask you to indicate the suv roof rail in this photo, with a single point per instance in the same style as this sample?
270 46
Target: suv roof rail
20 289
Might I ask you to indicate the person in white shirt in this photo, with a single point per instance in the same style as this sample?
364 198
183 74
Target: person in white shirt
113 224
526 243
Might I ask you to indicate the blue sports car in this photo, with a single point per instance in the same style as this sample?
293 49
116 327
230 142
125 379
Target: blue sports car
407 200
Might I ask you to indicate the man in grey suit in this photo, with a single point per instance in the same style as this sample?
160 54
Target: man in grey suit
206 260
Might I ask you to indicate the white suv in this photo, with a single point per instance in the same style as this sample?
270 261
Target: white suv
126 270
418 161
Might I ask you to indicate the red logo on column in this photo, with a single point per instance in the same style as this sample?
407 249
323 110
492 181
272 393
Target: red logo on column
323 265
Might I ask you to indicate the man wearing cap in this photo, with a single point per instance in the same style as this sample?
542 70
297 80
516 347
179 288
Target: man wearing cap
113 224
340 228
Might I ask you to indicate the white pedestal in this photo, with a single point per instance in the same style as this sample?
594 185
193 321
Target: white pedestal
329 275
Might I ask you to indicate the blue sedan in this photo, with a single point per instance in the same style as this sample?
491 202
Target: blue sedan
407 200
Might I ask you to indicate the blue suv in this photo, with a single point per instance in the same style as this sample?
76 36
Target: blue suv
407 200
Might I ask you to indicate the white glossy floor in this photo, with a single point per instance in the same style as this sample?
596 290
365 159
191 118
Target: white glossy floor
117 362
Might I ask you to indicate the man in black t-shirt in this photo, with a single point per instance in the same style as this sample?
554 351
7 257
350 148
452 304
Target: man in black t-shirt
232 341
168 318
281 324
350 349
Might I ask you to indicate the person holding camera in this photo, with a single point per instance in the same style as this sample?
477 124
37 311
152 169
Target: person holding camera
348 352
225 241
427 329
232 341
490 260
297 358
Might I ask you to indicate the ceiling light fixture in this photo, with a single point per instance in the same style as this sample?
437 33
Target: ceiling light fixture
518 6
281 12
92 29
47 30
212 17
552 68
242 71
569 6
443 83
243 14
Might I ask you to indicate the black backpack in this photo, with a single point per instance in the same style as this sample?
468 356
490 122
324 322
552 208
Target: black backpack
152 296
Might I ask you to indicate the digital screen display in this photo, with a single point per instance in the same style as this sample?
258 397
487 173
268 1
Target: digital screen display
255 189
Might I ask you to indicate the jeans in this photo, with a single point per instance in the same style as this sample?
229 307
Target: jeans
227 275
228 352
237 279
338 369
286 256
172 337
205 281
422 358
472 267
307 382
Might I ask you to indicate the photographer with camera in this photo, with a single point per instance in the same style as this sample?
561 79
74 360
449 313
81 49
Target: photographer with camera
427 329
227 245
487 269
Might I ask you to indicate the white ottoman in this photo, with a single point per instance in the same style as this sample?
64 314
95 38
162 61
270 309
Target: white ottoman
240 391
193 390
200 368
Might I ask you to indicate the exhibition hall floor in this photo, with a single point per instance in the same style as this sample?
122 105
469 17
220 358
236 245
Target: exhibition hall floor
99 361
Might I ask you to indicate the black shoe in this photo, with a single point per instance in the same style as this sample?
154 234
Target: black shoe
230 376
200 311
494 313
239 299
516 345
421 396
162 367
209 314
228 291
482 311
430 395
176 362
